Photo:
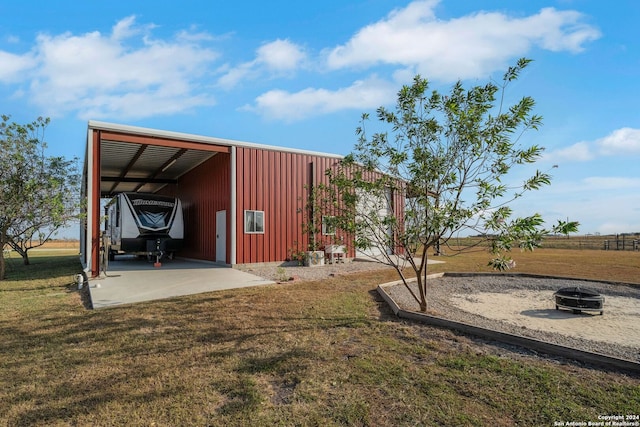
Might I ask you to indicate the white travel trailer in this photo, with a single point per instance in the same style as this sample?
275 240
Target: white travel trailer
144 224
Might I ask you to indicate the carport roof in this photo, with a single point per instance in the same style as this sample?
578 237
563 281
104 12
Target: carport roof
141 159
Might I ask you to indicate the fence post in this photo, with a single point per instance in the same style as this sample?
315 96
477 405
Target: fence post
606 245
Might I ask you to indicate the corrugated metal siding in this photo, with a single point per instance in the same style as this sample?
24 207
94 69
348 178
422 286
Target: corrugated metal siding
274 182
204 191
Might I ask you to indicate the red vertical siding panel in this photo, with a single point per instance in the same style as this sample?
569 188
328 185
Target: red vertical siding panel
294 214
270 231
251 200
301 180
293 172
297 215
254 202
276 243
287 240
259 190
286 203
239 205
247 203
303 195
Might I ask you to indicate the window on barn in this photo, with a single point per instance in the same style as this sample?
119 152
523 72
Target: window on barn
328 225
254 221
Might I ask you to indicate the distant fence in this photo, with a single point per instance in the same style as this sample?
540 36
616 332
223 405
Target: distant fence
622 244
611 242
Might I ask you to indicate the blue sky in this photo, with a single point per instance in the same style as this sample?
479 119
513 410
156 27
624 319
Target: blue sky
300 74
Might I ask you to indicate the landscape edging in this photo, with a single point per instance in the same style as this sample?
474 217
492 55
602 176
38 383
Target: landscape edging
583 356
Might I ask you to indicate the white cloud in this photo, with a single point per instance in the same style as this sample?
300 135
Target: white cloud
622 141
597 183
124 29
278 58
623 218
604 204
13 67
280 104
233 76
280 55
96 74
126 73
471 46
578 152
416 41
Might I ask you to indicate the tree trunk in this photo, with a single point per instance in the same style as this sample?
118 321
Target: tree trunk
422 275
2 265
22 252
3 241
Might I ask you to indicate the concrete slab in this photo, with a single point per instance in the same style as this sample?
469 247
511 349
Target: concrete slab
130 280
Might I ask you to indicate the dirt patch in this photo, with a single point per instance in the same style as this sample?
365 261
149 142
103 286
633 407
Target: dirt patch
525 306
536 310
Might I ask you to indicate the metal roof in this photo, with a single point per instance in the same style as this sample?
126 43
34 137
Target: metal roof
141 159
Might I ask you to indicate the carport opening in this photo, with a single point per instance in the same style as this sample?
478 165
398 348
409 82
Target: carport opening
155 164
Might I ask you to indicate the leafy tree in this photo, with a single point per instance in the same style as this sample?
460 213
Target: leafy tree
38 193
447 157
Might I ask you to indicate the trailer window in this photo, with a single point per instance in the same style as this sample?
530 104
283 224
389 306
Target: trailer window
254 221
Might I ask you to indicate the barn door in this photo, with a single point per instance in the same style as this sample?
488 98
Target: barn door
376 207
221 236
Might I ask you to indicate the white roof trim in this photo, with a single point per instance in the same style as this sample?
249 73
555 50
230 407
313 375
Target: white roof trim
98 125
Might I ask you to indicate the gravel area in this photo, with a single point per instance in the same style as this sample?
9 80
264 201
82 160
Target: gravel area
280 273
500 303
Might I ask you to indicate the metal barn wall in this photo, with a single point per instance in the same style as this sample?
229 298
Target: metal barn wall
204 191
274 182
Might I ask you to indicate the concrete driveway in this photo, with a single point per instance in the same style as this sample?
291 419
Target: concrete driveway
131 280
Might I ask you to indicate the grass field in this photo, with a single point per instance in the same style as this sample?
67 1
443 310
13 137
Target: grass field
310 353
611 242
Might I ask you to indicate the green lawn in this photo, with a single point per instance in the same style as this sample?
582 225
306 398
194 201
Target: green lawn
311 353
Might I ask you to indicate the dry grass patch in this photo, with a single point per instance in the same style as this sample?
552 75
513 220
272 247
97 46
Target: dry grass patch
310 353
617 266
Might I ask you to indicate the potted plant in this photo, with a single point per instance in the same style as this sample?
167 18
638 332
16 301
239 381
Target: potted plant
296 255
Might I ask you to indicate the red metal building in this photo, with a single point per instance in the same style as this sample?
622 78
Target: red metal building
242 202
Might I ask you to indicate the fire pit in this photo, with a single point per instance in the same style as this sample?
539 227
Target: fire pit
579 299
